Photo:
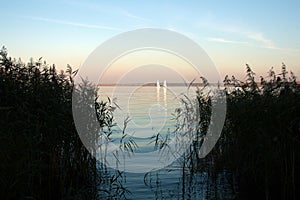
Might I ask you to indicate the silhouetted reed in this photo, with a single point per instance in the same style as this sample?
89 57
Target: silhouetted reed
260 138
42 156
259 146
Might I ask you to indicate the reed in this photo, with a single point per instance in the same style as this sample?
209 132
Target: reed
260 138
42 156
259 144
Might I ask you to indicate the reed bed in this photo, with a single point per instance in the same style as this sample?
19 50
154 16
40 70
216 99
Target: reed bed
43 157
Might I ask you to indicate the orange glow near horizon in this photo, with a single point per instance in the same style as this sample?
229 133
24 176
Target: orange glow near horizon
155 64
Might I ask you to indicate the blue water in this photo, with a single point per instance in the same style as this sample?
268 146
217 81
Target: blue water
151 111
173 183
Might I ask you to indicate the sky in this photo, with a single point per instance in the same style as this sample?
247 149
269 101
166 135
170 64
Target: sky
261 33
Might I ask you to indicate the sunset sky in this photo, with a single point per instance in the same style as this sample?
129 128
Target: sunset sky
233 33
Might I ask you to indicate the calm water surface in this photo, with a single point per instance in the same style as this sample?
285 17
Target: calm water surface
151 111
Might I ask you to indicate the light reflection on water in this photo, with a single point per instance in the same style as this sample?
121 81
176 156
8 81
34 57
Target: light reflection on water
151 111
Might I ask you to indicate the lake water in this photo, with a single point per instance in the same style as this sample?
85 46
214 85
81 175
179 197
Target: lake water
151 111
149 108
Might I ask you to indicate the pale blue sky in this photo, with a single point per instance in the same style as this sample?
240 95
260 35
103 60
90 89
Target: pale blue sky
233 33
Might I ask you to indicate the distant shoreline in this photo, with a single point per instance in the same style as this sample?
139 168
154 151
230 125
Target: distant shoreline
154 84
169 84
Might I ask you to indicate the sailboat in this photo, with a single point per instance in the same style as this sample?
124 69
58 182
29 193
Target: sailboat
165 83
157 84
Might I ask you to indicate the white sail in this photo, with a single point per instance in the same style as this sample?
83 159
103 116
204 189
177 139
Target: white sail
157 84
165 83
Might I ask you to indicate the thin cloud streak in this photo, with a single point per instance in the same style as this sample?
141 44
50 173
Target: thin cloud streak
267 43
112 10
93 26
222 40
254 36
250 35
130 15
